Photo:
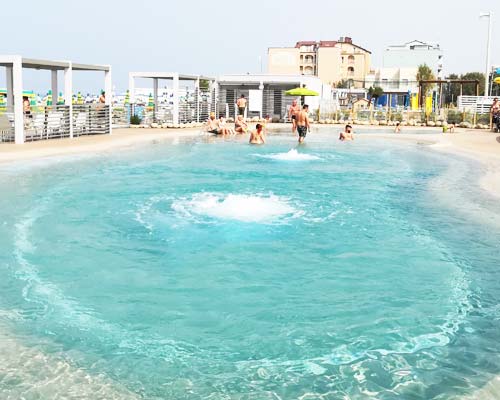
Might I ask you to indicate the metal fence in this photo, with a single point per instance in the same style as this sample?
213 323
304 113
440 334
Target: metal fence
196 108
91 119
450 115
475 104
6 124
51 122
46 123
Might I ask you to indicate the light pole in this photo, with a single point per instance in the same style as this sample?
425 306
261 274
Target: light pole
487 74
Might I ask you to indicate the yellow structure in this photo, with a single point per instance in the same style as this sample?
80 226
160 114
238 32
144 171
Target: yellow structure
331 61
428 105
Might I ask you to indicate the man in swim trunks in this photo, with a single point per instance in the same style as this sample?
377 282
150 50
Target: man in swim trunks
303 123
292 114
257 136
242 104
347 134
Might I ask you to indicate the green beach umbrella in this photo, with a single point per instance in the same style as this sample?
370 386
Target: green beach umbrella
60 99
151 102
2 102
127 98
300 91
49 98
79 98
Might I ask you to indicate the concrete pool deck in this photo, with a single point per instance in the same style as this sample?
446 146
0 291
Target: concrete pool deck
479 145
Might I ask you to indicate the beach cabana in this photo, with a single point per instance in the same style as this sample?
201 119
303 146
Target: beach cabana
266 93
184 98
52 120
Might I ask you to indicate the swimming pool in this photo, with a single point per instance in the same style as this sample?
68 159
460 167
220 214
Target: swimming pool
210 269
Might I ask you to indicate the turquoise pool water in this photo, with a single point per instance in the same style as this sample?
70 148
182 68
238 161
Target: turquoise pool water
211 269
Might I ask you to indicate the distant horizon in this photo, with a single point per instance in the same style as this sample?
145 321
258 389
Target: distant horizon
190 38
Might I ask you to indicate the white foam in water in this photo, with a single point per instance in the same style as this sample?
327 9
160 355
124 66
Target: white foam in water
246 208
292 155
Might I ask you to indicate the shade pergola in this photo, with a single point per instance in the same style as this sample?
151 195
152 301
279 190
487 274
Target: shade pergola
14 65
176 78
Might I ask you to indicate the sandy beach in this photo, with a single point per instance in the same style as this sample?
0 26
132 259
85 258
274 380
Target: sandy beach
478 145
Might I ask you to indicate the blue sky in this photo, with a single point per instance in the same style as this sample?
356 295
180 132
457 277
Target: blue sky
229 36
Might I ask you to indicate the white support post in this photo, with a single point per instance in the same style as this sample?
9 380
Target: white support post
108 88
10 92
155 98
216 97
198 100
176 99
68 95
54 88
17 81
131 88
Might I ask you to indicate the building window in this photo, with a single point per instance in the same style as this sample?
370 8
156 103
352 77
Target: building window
351 60
308 71
350 71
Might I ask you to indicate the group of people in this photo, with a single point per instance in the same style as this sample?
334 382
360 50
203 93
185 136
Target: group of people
298 115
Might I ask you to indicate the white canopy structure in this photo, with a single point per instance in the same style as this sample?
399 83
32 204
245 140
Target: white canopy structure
15 64
190 109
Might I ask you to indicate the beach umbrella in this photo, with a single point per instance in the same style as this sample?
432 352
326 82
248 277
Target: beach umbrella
2 102
151 102
497 80
60 99
300 91
79 98
49 98
127 98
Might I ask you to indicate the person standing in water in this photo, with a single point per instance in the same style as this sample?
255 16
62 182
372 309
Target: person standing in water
347 134
257 136
303 125
292 114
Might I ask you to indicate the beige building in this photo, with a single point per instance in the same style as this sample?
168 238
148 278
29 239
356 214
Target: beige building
331 61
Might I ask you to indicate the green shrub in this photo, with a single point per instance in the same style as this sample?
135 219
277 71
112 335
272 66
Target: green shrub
135 120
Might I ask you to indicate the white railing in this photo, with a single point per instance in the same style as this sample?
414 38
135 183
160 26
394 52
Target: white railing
6 124
46 123
475 104
91 119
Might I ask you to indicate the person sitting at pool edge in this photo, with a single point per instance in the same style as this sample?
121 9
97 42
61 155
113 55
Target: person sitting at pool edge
302 120
347 134
240 126
213 126
223 125
257 136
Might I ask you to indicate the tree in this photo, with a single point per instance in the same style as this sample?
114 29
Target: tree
425 73
204 84
452 90
375 92
470 89
343 84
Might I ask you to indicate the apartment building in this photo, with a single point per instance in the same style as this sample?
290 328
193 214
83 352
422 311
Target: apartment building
331 61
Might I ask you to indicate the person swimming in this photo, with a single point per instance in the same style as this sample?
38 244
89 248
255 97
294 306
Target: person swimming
257 136
347 134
